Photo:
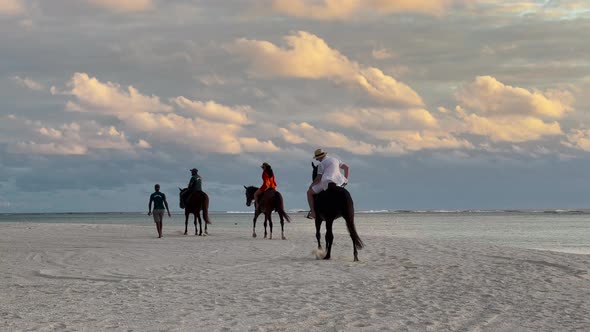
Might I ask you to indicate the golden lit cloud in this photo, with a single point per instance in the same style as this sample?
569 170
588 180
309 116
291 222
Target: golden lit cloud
11 7
342 9
309 57
124 5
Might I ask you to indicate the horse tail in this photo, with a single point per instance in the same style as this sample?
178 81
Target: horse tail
349 209
206 208
280 206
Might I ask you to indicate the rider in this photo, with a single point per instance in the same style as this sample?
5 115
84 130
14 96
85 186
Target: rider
328 172
194 185
268 182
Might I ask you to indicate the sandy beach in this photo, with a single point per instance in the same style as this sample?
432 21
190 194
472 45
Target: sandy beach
95 277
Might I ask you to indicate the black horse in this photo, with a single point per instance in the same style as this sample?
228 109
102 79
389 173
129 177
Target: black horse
198 201
331 204
271 200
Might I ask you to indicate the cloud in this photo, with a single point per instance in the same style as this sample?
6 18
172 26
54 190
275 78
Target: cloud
69 139
95 96
343 9
214 111
208 127
306 133
382 119
121 6
493 98
398 131
309 57
501 112
382 54
11 7
511 128
578 139
28 83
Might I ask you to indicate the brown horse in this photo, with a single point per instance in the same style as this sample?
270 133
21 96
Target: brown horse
198 201
331 204
270 200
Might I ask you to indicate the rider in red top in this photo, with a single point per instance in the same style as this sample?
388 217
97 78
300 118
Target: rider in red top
268 181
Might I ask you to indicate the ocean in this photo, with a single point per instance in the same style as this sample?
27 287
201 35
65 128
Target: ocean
556 230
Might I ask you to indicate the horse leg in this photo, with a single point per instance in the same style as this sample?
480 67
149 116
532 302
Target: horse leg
196 216
318 226
256 214
329 238
200 223
206 233
185 222
270 223
282 227
265 223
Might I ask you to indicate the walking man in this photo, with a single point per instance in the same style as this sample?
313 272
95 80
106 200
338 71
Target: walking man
160 202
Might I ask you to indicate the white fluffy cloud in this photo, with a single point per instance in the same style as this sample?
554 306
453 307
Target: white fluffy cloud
207 126
309 57
493 98
341 9
67 139
124 5
307 133
578 139
511 114
95 96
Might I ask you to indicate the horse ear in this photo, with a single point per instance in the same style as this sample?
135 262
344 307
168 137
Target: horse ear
179 189
245 187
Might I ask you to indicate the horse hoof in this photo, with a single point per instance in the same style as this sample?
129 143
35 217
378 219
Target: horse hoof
254 235
185 233
284 238
327 257
356 259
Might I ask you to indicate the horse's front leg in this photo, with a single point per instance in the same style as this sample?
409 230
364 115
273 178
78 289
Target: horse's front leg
185 223
256 214
195 222
329 238
318 236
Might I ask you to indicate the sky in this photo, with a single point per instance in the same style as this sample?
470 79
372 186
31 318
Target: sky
439 104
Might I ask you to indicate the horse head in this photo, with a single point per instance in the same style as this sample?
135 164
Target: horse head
315 171
250 194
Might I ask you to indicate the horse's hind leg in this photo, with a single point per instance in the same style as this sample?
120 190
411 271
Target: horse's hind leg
282 227
200 224
318 236
270 224
265 224
329 238
196 217
185 223
206 233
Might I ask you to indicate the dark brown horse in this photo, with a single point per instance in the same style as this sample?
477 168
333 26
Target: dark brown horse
198 201
331 204
269 201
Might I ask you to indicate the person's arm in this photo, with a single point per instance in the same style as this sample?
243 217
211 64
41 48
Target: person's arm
166 204
150 206
346 170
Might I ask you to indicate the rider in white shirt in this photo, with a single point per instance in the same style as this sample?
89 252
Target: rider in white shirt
328 172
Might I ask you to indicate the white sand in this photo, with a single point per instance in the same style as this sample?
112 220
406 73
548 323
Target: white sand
72 277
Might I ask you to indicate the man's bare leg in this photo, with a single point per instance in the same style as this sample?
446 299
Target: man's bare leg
310 194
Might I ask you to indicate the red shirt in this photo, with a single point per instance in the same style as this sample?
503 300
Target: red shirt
268 182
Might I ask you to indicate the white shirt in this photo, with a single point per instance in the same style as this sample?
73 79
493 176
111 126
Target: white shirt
329 168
